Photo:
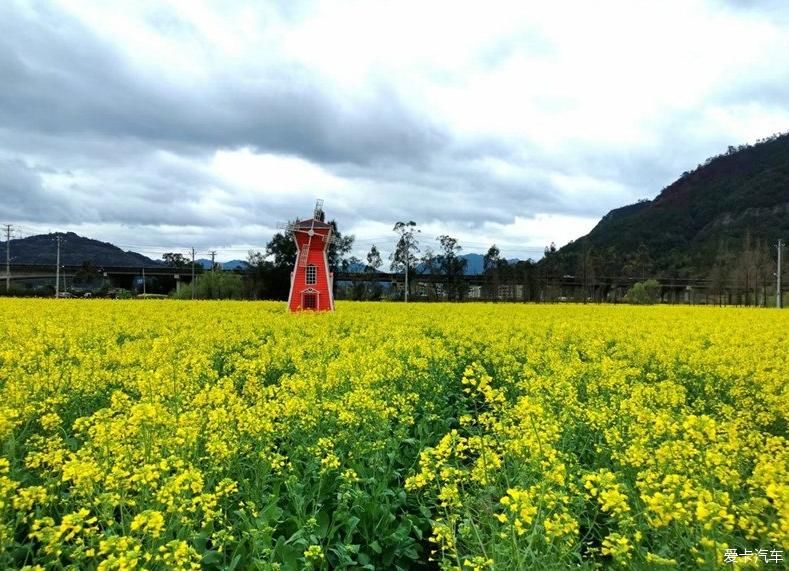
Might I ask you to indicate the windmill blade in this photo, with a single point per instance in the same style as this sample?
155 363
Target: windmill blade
311 234
286 227
318 209
305 253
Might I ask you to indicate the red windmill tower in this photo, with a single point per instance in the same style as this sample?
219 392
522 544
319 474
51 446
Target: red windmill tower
311 283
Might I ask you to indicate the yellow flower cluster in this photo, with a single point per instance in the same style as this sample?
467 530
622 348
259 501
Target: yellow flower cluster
521 505
186 435
149 522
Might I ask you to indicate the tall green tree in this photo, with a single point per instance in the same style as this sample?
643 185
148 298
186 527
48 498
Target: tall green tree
175 259
281 253
452 266
550 265
491 265
527 274
374 261
404 255
281 250
257 276
338 249
87 274
429 264
373 289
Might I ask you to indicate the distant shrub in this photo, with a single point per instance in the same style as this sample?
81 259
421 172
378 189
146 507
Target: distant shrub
16 291
213 285
644 293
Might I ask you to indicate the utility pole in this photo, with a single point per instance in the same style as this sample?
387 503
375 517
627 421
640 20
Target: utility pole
7 257
778 300
213 274
193 273
57 271
144 291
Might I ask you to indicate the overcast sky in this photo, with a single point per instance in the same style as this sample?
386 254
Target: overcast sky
165 125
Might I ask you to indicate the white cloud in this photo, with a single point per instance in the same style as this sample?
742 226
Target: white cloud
272 175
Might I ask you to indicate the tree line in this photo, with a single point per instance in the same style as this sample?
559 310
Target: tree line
267 272
741 275
742 272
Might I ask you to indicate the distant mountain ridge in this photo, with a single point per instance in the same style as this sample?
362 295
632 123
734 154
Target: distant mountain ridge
475 263
75 250
231 265
708 216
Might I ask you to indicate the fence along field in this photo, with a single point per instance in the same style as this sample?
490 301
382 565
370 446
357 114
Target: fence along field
167 434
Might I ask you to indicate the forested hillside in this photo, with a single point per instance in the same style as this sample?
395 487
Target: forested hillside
75 250
718 220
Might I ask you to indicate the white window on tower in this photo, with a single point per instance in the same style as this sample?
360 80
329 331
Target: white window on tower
312 274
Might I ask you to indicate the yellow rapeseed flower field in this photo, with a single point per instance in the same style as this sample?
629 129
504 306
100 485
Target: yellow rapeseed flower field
188 435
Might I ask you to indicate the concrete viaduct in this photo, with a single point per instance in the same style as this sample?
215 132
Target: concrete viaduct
169 278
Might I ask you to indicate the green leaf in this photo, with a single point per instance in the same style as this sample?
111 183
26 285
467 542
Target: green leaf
287 555
212 558
323 524
234 563
200 541
271 513
351 523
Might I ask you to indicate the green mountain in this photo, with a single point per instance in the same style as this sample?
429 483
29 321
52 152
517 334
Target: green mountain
730 209
74 251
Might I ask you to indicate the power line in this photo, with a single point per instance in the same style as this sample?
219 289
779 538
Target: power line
360 244
361 241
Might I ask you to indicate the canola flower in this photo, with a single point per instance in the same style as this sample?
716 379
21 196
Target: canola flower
189 435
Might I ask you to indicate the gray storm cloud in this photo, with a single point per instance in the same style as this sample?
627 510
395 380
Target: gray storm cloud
63 80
